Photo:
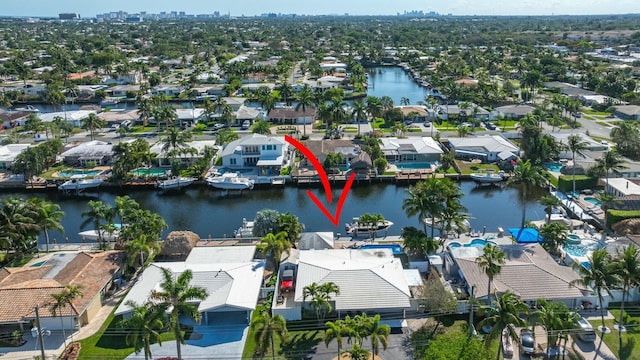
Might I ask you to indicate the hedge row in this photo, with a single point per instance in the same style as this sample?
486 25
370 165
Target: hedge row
565 182
614 216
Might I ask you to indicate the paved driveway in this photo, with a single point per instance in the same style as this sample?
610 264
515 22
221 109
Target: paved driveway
398 348
223 339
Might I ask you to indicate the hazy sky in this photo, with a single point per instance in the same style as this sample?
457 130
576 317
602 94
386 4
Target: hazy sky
88 8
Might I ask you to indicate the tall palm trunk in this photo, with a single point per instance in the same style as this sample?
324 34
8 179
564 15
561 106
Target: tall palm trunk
574 172
273 348
621 321
499 347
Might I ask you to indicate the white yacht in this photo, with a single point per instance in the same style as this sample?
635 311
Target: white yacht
79 183
176 183
230 181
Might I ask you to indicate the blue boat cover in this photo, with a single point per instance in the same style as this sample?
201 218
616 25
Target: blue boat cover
525 235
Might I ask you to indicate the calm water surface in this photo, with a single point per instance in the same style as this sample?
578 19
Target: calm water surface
394 82
203 211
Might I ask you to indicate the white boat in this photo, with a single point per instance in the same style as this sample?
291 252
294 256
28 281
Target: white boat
175 183
108 102
28 108
92 235
489 177
356 227
230 181
465 224
79 183
244 231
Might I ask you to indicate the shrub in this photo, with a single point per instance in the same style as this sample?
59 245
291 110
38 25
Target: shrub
614 216
565 182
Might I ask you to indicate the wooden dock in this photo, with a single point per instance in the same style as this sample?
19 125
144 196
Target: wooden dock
413 175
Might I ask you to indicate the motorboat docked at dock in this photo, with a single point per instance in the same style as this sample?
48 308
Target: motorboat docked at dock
174 183
244 231
79 183
358 228
93 235
230 181
488 177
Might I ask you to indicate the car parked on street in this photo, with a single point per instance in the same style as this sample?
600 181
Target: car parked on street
527 342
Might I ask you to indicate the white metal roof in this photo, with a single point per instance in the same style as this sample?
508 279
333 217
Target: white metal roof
230 284
368 279
221 254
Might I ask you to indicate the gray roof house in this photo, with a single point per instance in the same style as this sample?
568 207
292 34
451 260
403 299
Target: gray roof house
369 280
230 275
529 272
191 152
628 112
485 147
9 153
516 111
410 150
98 151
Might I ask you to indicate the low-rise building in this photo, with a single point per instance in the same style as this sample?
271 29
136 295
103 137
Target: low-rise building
411 150
269 154
369 281
187 154
628 112
288 115
96 151
229 274
485 147
21 289
9 153
516 111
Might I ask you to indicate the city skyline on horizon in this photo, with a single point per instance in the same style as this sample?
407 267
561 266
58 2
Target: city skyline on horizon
356 7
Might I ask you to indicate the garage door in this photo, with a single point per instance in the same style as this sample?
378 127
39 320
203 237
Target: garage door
227 318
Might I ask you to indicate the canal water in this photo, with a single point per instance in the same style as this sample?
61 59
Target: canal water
394 82
205 212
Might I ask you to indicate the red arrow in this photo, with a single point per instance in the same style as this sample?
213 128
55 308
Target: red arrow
324 179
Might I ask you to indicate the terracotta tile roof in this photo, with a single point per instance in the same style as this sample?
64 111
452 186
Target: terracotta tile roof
21 275
22 288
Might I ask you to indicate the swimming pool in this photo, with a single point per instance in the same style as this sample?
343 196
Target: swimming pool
412 166
583 248
555 167
573 239
40 263
396 249
149 172
78 172
478 242
592 200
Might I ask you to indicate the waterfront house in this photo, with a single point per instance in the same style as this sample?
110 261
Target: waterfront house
622 187
372 281
11 119
167 90
412 150
416 113
188 117
187 155
115 117
267 154
289 115
96 151
354 158
454 112
122 90
9 153
485 147
21 289
230 275
529 272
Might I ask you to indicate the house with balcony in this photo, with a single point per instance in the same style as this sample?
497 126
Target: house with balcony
266 154
186 155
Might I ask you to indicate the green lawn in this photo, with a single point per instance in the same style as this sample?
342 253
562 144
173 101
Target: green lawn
298 342
467 168
110 342
630 339
593 112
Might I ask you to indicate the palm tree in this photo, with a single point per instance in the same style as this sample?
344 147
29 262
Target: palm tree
577 146
606 199
627 267
550 203
336 330
274 246
17 225
416 242
125 207
490 263
424 201
358 113
48 216
555 237
378 332
267 328
261 127
178 296
528 175
98 212
320 297
600 275
143 326
305 100
503 314
92 123
610 160
553 316
64 300
176 138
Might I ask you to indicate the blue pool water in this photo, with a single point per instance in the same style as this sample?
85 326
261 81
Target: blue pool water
79 172
586 265
474 243
412 166
592 200
39 263
396 249
583 247
555 167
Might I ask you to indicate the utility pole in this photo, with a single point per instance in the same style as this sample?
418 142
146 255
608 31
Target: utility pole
471 301
40 339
